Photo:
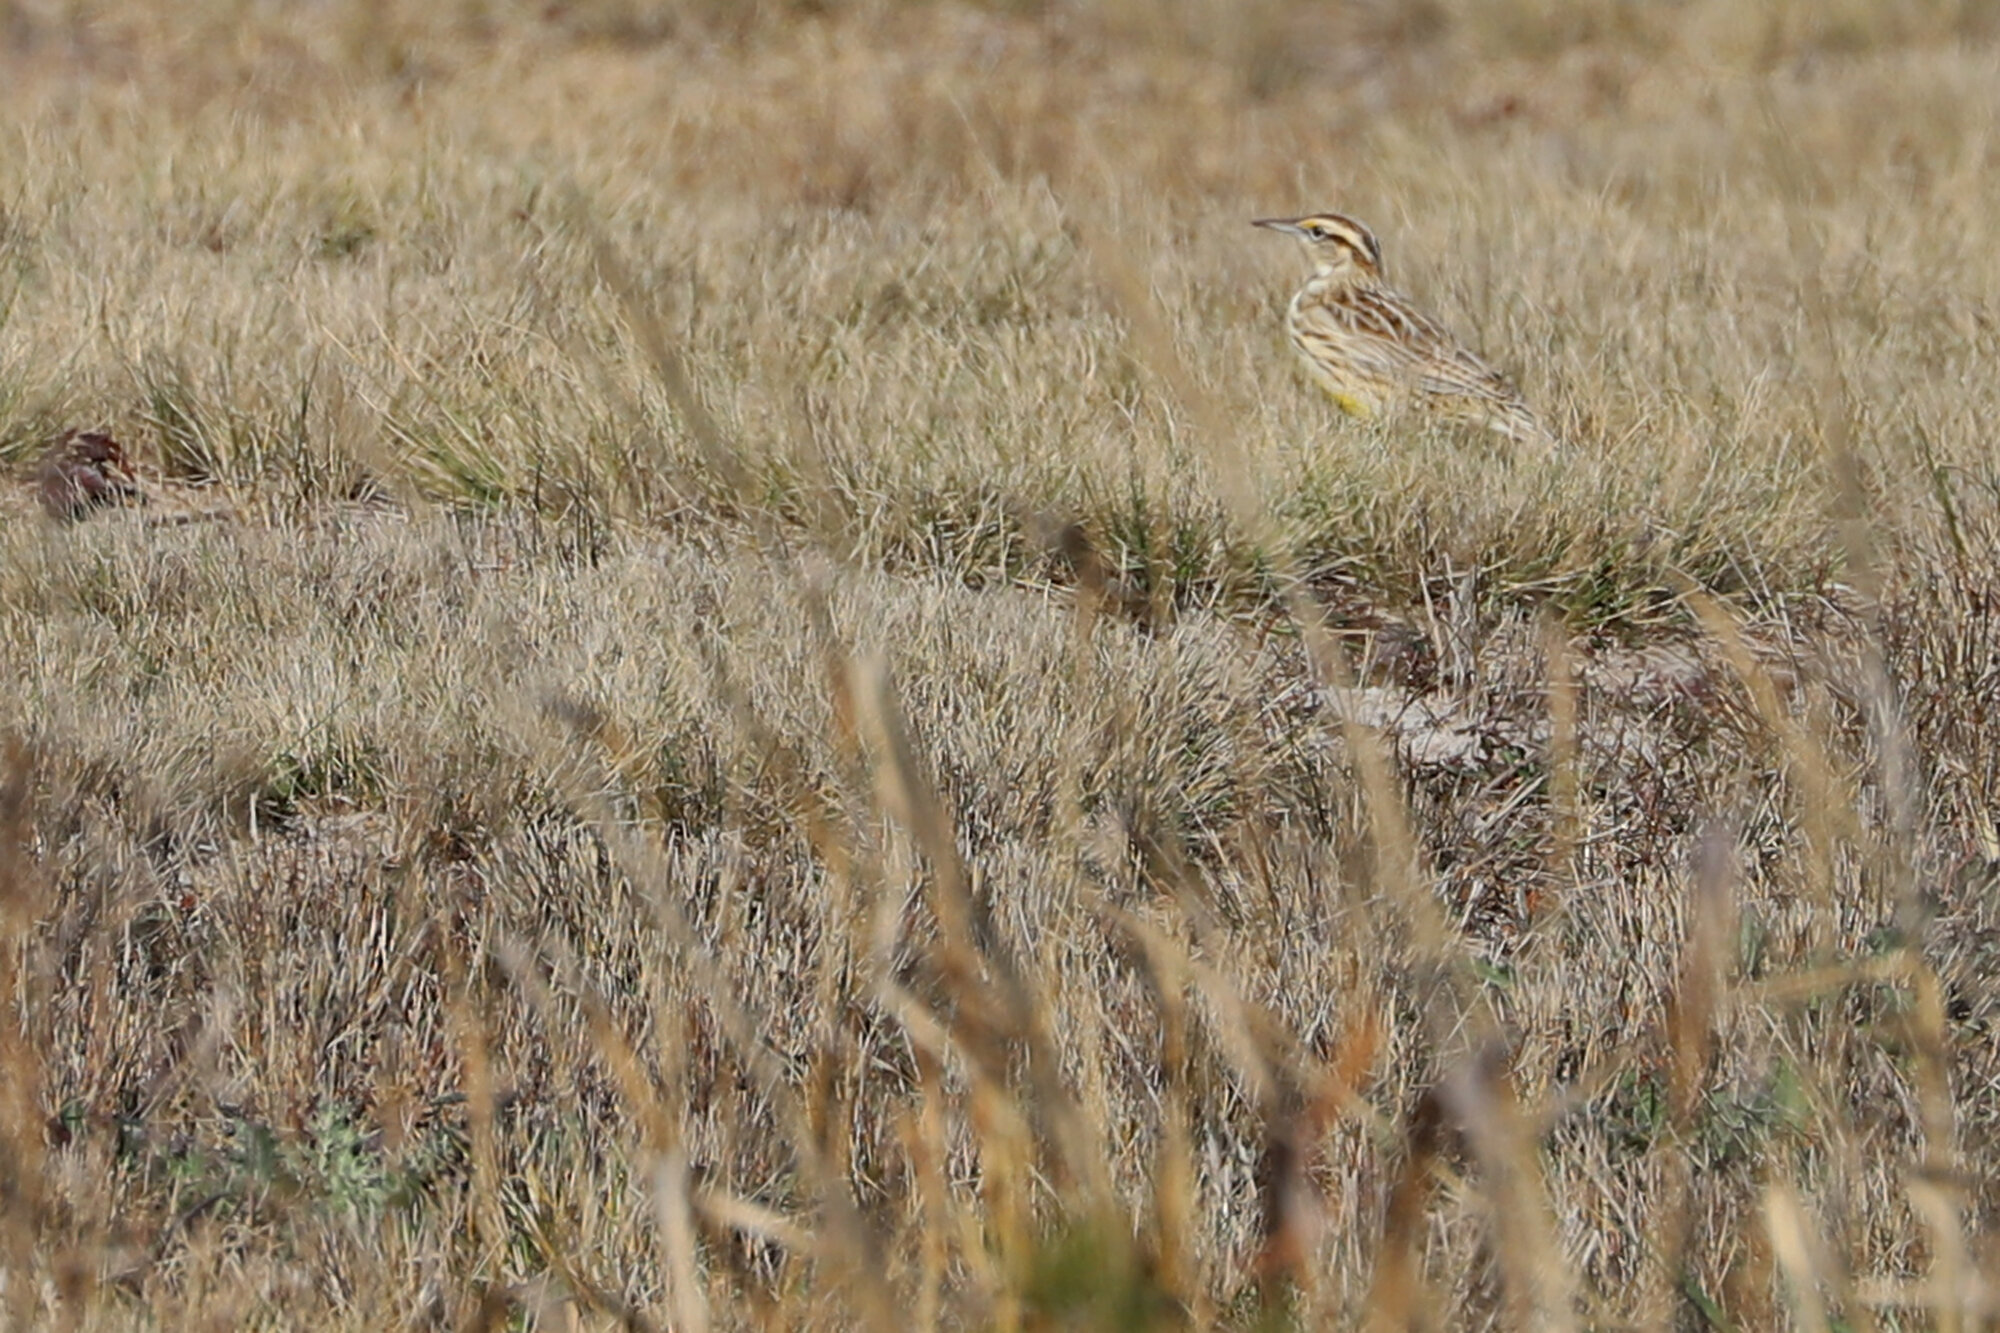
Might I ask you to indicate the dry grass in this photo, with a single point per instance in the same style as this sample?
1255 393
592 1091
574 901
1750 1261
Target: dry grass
783 713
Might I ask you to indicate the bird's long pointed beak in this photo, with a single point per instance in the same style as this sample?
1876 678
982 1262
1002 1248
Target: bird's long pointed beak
1285 225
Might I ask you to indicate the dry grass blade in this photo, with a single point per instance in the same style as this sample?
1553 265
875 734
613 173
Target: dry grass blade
1824 811
1397 1293
23 901
1565 796
1898 780
1692 1018
669 367
1481 1099
844 1234
994 1008
1799 1255
676 1219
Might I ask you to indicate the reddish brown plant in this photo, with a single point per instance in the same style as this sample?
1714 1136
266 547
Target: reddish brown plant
83 471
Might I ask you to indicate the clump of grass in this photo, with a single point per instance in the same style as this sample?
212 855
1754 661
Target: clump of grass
797 721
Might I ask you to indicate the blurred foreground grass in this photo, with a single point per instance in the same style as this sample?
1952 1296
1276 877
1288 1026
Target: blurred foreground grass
797 721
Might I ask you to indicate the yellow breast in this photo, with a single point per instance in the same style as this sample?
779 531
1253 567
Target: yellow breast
1347 394
1348 403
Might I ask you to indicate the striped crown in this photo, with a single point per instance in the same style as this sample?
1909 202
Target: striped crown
1334 239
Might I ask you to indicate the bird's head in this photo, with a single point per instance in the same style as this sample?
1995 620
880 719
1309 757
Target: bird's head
1339 245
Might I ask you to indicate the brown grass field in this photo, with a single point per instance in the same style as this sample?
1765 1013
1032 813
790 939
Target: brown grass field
752 693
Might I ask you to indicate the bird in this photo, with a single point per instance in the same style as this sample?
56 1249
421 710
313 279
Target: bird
82 471
1373 351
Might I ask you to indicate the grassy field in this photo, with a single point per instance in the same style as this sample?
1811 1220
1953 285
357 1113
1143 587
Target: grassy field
752 694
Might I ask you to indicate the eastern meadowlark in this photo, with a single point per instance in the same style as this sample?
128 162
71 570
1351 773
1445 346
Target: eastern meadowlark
1371 350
